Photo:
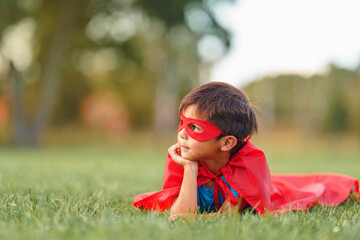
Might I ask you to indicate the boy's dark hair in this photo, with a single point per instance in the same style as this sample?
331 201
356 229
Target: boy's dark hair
225 106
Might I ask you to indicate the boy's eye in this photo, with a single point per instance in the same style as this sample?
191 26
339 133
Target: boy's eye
195 127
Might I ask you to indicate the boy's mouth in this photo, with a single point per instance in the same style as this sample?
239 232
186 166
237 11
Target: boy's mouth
183 147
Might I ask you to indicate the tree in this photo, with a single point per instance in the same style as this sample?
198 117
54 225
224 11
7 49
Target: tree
62 29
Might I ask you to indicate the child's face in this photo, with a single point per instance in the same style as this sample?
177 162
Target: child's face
192 149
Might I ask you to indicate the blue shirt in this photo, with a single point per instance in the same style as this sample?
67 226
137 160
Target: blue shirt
205 196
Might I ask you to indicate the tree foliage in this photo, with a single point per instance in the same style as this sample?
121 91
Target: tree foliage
126 47
321 103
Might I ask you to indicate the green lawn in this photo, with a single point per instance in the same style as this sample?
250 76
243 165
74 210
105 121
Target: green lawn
87 193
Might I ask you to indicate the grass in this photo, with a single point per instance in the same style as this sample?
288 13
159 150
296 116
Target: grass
87 193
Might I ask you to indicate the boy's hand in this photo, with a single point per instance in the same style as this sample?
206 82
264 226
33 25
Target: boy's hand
175 153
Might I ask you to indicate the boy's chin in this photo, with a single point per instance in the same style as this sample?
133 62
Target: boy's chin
187 156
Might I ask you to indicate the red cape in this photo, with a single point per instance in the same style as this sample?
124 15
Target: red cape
248 174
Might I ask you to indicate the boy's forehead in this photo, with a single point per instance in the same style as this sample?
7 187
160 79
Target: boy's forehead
192 111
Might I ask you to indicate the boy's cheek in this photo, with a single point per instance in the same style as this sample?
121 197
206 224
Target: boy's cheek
186 154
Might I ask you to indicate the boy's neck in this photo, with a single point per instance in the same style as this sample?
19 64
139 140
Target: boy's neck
215 165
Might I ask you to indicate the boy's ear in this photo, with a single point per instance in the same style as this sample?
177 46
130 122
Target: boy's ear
228 142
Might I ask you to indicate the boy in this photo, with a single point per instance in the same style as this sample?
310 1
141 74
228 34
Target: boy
214 166
229 110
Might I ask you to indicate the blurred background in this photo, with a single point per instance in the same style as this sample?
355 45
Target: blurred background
89 95
114 71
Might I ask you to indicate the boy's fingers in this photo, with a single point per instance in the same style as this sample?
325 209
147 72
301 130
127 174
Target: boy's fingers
173 148
174 152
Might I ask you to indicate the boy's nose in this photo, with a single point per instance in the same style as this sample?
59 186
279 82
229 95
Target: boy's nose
183 134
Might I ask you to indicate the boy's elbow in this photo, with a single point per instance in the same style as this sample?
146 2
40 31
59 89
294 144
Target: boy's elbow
173 211
177 211
188 216
180 211
172 217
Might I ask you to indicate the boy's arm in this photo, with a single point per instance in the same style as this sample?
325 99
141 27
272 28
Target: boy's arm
186 203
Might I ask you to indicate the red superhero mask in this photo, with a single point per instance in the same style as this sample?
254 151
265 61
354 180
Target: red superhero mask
208 130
